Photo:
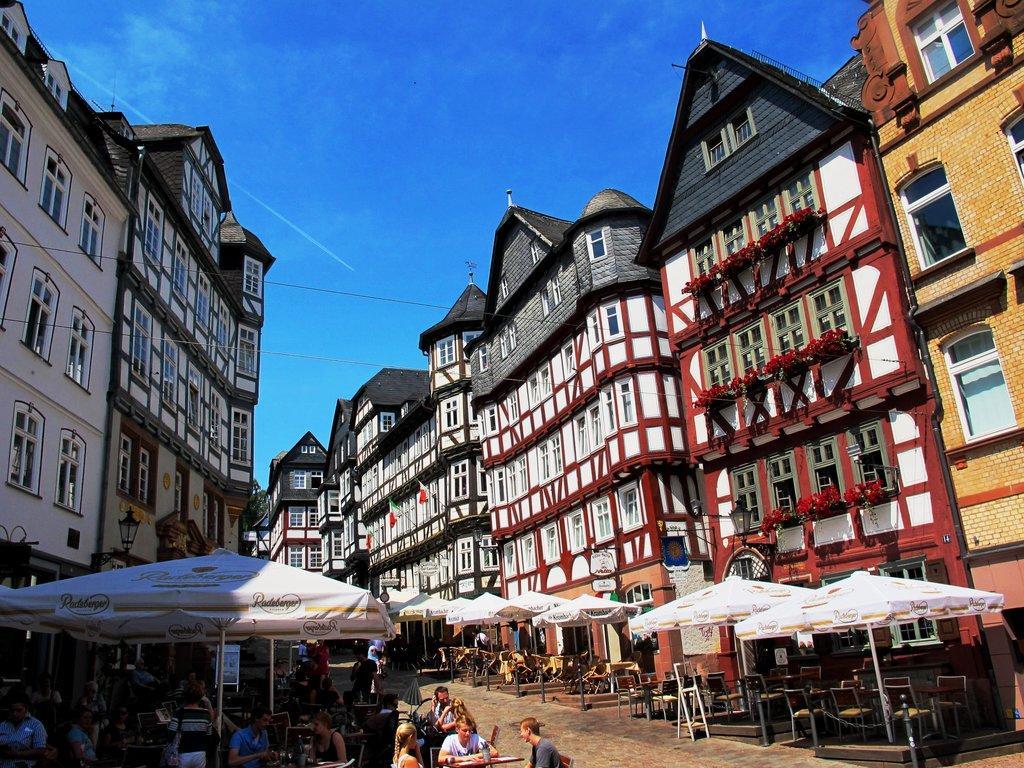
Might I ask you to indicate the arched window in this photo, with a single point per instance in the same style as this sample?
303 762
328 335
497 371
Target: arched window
931 214
983 399
70 468
42 307
14 134
53 193
26 446
90 238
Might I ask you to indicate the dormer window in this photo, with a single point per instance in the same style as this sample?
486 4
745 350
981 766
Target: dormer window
943 41
595 244
504 288
54 87
733 135
13 30
387 421
535 252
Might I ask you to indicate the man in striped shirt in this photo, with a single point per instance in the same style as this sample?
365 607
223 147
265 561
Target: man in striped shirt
193 723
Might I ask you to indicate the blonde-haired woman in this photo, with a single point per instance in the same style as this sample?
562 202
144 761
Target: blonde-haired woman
407 749
460 710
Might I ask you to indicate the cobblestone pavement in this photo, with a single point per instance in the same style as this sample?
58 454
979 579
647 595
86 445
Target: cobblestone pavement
598 739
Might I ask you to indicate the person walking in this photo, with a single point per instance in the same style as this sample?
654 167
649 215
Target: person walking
543 754
192 721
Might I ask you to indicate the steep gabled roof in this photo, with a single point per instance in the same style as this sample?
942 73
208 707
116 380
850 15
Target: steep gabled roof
294 457
832 98
233 233
394 387
165 142
466 313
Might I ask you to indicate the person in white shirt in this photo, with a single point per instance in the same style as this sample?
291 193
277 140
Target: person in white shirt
464 745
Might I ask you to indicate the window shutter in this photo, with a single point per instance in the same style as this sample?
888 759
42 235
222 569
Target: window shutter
948 630
883 637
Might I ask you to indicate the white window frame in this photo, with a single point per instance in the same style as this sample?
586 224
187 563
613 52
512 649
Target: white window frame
528 553
80 338
27 429
153 235
608 411
299 480
464 555
491 420
124 463
246 350
581 435
910 208
296 556
549 545
1016 147
316 557
194 397
252 278
203 308
513 406
630 521
144 469
568 360
956 369
8 257
446 352
460 480
179 270
8 132
941 33
574 543
610 316
508 560
39 317
483 358
627 402
593 329
451 410
601 520
70 470
488 553
55 188
90 236
296 517
241 425
141 341
597 244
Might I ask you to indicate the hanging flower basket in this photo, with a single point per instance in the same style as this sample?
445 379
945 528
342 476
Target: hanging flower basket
788 365
829 346
780 519
866 495
719 395
818 506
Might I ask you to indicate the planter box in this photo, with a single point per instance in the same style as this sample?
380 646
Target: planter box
790 539
832 530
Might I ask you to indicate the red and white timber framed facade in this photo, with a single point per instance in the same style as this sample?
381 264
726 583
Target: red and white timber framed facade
781 442
581 426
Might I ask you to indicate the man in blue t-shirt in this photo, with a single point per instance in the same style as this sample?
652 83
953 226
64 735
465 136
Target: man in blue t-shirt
250 746
22 737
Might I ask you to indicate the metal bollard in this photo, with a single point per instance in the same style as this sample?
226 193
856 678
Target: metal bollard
583 698
543 700
451 664
519 691
905 708
762 717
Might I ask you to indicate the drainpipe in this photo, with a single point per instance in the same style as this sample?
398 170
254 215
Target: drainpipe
937 412
121 270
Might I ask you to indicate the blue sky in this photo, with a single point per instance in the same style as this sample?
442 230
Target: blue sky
387 133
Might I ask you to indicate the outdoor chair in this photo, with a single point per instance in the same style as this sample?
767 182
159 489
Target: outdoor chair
719 694
758 689
690 704
567 762
810 673
151 728
954 702
434 752
666 697
495 732
521 669
850 710
802 706
627 693
136 756
280 722
780 671
917 714
596 678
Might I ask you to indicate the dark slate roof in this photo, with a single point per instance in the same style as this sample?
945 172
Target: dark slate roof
233 233
848 82
610 199
395 386
550 228
159 131
293 457
466 313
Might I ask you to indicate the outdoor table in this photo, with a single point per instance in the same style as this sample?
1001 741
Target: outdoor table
935 693
648 689
481 762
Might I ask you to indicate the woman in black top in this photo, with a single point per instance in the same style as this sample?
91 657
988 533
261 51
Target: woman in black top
114 738
327 745
193 722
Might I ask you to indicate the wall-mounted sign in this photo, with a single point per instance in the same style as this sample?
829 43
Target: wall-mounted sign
390 582
466 585
673 551
603 585
602 562
429 568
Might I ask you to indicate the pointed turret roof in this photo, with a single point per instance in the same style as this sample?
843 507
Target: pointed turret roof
467 313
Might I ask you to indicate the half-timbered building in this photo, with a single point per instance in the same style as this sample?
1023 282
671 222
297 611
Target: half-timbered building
423 501
577 394
803 390
293 490
189 311
339 528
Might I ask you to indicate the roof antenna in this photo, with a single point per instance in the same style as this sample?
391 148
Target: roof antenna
508 194
471 266
113 92
703 31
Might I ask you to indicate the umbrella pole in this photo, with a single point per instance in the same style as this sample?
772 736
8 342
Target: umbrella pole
425 623
881 689
220 684
271 675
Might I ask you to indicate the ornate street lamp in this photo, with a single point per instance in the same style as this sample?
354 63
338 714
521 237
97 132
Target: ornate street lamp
129 528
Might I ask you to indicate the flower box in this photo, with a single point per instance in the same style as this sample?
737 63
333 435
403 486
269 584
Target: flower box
866 495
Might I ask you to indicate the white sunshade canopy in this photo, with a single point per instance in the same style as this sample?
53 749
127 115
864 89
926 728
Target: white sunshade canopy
438 608
730 601
661 618
529 604
867 600
194 599
484 609
586 609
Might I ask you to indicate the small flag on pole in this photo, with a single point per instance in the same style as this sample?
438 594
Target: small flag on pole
393 512
422 499
369 541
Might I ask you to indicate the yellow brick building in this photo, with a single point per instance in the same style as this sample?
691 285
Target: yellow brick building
946 90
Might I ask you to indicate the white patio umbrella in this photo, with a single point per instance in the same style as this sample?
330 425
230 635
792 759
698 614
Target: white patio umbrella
401 600
484 609
867 601
438 608
533 603
217 597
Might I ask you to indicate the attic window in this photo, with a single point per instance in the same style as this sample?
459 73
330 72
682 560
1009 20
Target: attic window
733 135
535 252
504 288
11 29
387 421
595 244
54 87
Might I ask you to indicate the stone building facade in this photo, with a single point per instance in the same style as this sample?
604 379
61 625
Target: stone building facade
946 90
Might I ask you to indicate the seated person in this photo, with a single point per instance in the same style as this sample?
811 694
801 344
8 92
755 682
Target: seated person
81 742
381 727
464 745
328 696
114 738
327 744
22 737
250 746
